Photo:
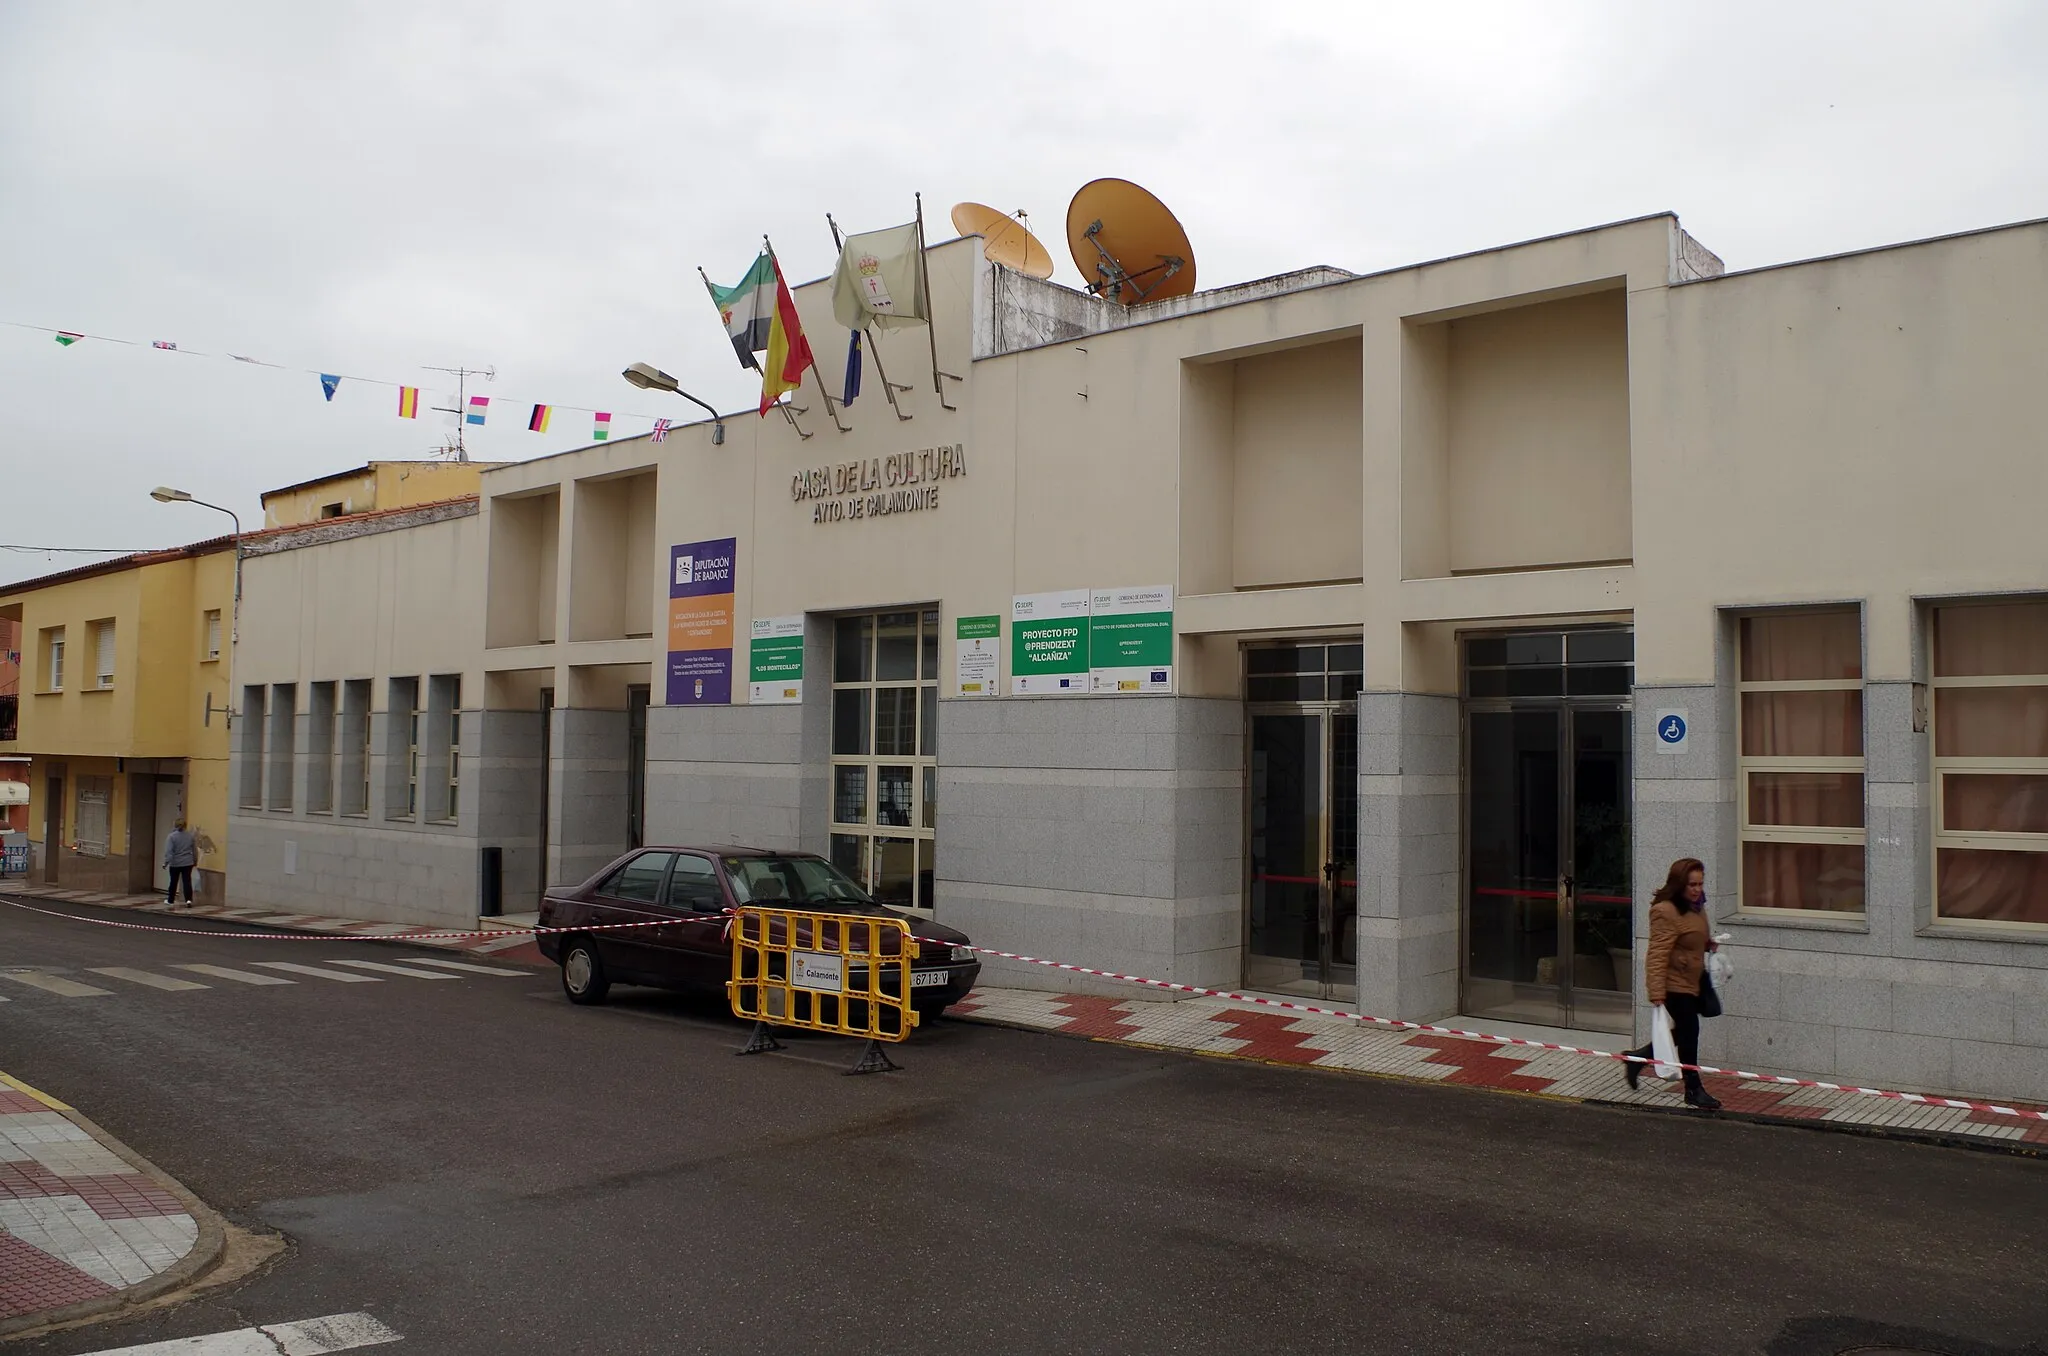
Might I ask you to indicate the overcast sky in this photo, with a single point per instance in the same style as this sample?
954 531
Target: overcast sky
375 188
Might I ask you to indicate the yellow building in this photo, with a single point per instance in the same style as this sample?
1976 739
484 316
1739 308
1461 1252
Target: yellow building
377 485
124 685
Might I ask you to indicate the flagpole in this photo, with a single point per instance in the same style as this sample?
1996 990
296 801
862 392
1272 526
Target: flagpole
830 408
931 329
889 388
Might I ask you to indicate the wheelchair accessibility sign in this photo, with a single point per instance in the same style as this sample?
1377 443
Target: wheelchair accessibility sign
1672 731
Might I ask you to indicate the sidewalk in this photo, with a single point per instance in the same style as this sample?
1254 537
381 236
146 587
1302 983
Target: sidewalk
1231 1030
85 1226
507 947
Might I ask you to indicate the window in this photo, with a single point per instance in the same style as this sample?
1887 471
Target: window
251 797
284 746
1801 761
94 816
440 770
1991 762
639 881
352 749
332 510
212 647
320 749
885 715
53 659
402 749
695 885
102 653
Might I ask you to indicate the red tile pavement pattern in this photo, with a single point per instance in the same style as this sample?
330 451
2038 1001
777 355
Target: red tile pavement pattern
14 1103
123 1196
1477 1065
1089 1015
31 1280
1268 1037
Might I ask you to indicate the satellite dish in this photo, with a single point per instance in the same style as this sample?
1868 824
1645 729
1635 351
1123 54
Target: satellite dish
1127 244
1005 240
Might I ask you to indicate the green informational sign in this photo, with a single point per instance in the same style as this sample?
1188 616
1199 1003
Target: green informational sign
1130 640
775 661
1049 643
977 656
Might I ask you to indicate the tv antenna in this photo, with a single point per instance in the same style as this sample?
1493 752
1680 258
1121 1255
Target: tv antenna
455 447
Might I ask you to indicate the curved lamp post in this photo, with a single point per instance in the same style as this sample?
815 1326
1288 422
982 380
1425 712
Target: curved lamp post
648 377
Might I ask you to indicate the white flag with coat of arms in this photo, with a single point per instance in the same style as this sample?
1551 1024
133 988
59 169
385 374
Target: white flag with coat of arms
879 280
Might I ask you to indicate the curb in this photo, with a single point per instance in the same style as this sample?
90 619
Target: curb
205 1253
1933 1138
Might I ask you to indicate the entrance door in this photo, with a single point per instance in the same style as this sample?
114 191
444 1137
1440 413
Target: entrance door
1548 938
170 803
1302 913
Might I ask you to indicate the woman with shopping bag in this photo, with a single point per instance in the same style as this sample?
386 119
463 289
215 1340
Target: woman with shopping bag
1675 975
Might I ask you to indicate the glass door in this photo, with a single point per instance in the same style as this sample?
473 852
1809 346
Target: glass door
1302 900
1548 913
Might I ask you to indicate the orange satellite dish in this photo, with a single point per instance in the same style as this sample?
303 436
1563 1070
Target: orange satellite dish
1127 244
1004 239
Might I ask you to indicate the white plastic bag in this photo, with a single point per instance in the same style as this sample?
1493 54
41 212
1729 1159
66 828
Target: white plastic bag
1719 968
1661 1043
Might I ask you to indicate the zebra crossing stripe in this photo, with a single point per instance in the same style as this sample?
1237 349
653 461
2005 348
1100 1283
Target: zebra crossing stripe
382 968
63 988
308 1337
144 977
341 976
472 969
239 976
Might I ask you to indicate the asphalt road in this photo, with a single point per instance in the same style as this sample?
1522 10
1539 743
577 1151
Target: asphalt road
488 1169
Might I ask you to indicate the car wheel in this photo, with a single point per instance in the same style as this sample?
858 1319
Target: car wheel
583 976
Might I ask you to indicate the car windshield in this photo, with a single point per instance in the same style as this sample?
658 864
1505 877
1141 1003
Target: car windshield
795 881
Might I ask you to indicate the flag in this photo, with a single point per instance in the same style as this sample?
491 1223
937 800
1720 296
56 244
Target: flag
258 361
328 382
789 353
538 423
164 344
479 406
661 427
408 402
852 370
748 309
66 338
604 427
880 280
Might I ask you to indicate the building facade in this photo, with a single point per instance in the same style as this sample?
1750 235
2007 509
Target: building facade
123 715
1373 638
373 487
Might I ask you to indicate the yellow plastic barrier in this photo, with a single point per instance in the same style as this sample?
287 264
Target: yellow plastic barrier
846 974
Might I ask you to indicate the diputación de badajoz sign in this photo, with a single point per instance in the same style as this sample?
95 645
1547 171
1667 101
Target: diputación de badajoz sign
902 482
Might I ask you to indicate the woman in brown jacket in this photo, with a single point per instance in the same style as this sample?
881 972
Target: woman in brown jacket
1679 942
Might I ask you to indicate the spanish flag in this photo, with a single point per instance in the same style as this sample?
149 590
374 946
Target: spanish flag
408 402
789 353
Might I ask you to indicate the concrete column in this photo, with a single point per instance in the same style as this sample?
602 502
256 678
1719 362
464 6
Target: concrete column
1408 840
587 792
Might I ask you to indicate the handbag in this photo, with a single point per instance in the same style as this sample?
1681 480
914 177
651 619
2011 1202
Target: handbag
1710 1000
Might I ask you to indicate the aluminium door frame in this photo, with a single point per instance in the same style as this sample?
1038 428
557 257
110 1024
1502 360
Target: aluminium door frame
1325 900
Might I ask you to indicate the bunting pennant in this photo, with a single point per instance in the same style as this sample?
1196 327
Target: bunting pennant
604 426
538 421
328 383
661 427
479 406
66 338
408 402
164 344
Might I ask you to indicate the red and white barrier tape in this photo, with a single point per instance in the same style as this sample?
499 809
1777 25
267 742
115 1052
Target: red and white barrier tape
1196 990
1922 1099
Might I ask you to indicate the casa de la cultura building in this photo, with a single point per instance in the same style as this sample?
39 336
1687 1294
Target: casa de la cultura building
1378 638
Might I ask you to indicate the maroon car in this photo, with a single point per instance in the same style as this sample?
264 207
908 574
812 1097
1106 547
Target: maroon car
682 894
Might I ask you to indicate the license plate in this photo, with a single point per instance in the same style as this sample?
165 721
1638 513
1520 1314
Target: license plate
929 979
